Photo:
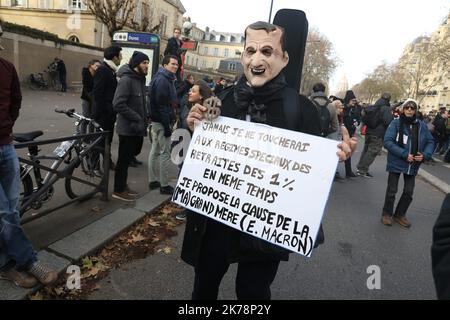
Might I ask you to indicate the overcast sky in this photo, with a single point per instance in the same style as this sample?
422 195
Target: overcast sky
364 33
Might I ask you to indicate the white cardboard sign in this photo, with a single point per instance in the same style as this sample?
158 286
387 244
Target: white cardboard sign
268 182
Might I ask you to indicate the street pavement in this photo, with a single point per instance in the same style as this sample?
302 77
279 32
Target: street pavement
355 239
37 113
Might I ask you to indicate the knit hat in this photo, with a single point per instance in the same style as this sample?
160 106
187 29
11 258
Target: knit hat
411 101
386 96
137 58
349 95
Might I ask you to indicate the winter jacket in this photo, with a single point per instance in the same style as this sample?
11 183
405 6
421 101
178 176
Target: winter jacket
440 251
129 103
61 68
385 117
10 100
351 119
243 247
397 156
440 129
105 84
173 47
88 85
162 99
322 100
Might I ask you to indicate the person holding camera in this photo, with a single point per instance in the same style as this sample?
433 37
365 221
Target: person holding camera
409 143
174 48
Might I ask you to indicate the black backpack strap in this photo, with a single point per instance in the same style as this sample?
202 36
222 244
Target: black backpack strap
291 106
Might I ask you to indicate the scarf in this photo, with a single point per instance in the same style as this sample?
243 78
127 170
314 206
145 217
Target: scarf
414 132
111 64
254 101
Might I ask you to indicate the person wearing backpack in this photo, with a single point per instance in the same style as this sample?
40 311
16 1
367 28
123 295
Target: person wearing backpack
328 118
377 119
261 95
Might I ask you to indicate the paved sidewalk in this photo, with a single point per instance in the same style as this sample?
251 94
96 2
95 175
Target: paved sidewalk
86 241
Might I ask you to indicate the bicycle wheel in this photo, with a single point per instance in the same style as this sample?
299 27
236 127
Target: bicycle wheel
26 192
90 169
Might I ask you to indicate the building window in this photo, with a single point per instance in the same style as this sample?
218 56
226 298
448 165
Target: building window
163 22
138 12
216 52
44 4
75 4
232 66
205 51
18 3
74 38
226 53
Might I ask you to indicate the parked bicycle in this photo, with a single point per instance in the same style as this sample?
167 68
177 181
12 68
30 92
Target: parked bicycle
81 160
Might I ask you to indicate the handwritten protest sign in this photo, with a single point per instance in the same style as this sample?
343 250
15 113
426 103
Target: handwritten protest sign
268 182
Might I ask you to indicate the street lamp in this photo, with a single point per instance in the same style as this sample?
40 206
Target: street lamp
270 14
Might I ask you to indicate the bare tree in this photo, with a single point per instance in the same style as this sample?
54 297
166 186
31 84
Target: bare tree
115 14
146 14
319 63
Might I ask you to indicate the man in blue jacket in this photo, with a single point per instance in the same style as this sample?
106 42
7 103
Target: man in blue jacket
409 143
163 98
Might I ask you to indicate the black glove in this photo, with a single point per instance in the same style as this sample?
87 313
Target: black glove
167 132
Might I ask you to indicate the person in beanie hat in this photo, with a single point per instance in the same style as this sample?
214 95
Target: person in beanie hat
137 58
129 104
351 121
409 143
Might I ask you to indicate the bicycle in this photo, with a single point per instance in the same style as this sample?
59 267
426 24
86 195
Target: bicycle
83 164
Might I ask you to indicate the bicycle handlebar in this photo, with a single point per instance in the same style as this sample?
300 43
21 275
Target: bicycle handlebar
71 113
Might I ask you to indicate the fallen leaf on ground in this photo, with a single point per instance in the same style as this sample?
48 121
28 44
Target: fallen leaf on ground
37 296
96 209
137 238
59 291
87 263
153 223
166 250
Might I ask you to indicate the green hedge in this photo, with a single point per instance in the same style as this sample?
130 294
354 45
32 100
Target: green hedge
43 35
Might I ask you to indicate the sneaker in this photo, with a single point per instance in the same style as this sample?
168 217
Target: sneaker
133 164
181 216
402 221
98 173
154 185
351 175
364 174
20 279
43 274
166 190
124 196
386 220
131 192
136 161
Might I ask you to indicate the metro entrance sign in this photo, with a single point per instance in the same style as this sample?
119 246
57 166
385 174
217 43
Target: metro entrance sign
139 41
